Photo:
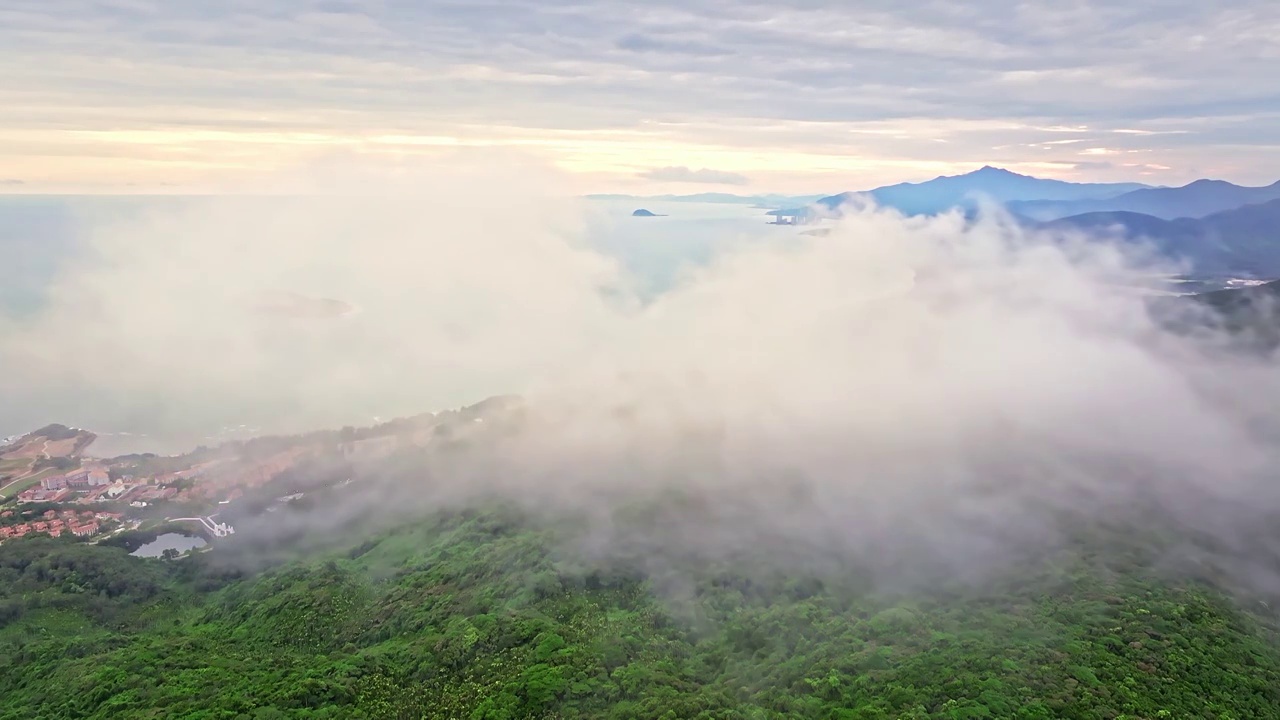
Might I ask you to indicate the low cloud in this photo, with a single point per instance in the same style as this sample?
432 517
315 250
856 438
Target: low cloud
926 392
680 174
677 79
12 181
638 42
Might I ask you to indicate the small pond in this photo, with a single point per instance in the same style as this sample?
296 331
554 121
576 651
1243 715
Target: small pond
169 541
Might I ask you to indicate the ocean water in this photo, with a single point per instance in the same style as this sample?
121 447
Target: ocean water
656 250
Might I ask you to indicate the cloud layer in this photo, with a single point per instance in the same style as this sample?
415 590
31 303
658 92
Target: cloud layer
934 391
782 92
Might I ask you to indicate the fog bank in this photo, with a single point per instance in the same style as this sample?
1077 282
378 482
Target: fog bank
946 387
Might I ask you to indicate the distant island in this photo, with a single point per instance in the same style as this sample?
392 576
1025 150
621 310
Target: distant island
645 213
770 201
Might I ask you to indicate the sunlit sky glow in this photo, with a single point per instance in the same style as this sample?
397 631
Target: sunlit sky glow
659 96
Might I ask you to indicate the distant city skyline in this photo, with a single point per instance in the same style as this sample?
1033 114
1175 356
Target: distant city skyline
646 98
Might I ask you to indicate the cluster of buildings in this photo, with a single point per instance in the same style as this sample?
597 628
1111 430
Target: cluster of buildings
86 523
61 488
40 495
230 481
84 478
93 484
218 482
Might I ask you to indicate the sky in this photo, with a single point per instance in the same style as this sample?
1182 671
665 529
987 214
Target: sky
661 96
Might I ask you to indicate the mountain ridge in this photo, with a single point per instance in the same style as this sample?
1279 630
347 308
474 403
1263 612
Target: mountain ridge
967 190
1196 199
1243 240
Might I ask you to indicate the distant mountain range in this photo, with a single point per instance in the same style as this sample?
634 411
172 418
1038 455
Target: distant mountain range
966 191
1044 200
1219 228
1198 199
1241 241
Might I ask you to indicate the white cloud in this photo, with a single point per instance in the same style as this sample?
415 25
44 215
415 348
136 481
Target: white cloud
922 382
680 174
456 68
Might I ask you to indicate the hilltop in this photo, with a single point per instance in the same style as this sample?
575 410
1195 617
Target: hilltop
26 460
49 441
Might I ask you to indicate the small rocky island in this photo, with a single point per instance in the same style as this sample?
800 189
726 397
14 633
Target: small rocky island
645 213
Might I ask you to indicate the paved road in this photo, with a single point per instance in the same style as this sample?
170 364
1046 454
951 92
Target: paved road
44 447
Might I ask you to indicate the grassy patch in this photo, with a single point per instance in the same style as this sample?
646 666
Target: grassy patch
15 488
32 481
14 464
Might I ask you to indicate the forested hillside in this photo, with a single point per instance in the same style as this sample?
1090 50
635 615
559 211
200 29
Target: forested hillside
487 616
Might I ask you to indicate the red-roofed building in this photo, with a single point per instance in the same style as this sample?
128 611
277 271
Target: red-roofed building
87 477
85 530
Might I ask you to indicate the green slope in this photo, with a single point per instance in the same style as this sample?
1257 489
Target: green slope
481 617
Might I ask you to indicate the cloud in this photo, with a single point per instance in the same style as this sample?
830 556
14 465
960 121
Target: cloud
12 181
680 174
672 73
922 393
1093 165
644 43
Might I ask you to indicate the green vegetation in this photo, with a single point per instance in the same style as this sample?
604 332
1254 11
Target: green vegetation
13 488
60 463
14 465
479 616
56 432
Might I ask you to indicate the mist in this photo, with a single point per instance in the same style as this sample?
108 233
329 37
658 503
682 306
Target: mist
943 389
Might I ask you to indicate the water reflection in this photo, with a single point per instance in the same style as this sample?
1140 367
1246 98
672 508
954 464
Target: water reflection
169 541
